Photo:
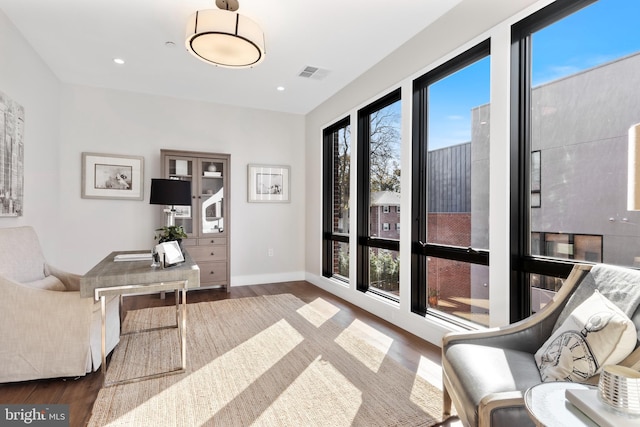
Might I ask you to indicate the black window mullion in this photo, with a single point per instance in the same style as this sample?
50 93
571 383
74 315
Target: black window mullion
520 299
419 199
374 242
330 140
327 204
470 255
364 165
343 238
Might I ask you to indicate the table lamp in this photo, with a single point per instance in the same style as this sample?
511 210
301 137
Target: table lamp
170 192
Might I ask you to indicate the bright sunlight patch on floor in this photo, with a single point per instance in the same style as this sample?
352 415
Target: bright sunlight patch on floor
318 311
425 369
381 341
258 355
324 377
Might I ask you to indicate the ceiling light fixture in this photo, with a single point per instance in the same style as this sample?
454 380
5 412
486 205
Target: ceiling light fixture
225 38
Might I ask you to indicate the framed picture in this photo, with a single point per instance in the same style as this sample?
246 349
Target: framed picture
268 183
169 253
11 157
182 211
112 176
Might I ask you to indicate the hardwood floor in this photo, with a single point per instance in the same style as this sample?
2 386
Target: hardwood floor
80 393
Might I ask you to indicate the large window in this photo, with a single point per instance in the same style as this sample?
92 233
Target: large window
576 90
378 190
450 197
336 171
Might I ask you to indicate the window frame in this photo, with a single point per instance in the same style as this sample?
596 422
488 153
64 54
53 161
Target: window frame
328 167
364 240
421 249
522 263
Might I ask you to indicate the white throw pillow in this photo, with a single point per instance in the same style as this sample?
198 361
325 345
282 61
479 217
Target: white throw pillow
595 334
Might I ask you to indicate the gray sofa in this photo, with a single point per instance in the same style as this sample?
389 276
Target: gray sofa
47 330
486 373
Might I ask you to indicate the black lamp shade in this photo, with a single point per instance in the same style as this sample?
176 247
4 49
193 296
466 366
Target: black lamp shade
170 192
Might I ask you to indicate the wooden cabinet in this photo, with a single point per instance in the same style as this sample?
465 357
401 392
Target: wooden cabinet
206 221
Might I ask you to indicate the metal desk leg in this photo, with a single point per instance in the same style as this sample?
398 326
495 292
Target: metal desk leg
181 326
103 310
183 329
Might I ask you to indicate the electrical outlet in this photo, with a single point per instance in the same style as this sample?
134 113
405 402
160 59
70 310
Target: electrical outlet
270 252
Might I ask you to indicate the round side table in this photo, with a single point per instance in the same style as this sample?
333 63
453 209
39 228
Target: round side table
548 407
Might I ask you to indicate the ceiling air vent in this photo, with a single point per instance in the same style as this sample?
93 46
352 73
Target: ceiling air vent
315 73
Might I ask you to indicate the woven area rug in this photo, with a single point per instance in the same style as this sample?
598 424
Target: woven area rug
259 361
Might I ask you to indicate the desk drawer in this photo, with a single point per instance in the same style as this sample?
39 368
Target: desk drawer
208 253
212 241
213 273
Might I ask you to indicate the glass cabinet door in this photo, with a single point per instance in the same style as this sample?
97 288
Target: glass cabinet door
183 169
212 195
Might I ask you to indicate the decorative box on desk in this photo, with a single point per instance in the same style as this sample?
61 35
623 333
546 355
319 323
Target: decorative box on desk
206 221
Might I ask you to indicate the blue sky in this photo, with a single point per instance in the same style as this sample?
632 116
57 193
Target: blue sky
451 100
602 32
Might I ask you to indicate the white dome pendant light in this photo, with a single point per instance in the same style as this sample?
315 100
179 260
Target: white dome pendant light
225 38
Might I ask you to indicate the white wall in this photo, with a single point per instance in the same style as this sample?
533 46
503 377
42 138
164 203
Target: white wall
114 122
63 120
466 25
28 81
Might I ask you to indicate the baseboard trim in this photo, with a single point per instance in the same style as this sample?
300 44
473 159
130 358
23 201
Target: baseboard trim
261 279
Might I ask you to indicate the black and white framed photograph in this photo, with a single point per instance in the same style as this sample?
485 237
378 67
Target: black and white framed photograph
268 183
182 211
11 157
112 176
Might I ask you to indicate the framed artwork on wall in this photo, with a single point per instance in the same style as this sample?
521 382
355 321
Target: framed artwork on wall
11 157
182 211
268 183
112 176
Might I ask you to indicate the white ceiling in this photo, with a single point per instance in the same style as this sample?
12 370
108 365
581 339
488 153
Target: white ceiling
78 40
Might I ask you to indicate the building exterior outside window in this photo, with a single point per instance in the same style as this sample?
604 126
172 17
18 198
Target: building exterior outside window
575 96
381 214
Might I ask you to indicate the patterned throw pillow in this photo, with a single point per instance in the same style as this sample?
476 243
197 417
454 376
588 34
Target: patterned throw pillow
595 334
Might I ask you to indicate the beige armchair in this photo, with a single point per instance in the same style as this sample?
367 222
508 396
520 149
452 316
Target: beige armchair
485 373
47 330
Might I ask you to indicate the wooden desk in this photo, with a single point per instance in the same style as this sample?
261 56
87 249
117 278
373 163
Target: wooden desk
108 273
121 278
